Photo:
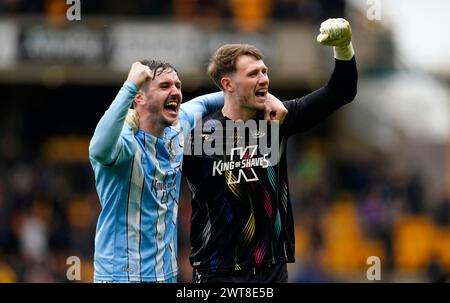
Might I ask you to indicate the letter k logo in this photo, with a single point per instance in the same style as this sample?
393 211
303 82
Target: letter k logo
247 173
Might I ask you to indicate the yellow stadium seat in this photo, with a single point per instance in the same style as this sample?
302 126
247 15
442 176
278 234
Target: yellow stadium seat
413 243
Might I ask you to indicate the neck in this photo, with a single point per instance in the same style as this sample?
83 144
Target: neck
233 110
151 126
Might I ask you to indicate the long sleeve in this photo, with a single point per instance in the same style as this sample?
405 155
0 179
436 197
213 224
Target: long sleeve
200 106
313 108
105 145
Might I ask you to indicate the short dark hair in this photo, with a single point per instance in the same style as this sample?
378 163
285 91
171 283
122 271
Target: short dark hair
223 61
158 67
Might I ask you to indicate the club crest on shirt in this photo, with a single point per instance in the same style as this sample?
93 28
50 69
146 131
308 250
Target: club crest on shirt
257 133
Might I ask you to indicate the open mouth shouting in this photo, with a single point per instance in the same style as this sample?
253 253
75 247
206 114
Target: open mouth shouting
172 105
261 92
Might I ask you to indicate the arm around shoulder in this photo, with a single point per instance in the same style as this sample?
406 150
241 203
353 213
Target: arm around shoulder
201 106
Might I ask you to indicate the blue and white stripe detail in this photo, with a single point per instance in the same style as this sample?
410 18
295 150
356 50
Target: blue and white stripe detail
134 207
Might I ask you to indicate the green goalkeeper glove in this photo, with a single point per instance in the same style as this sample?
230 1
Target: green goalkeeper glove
132 120
337 32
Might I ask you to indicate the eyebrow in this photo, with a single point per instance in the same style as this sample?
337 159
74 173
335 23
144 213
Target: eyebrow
169 82
257 69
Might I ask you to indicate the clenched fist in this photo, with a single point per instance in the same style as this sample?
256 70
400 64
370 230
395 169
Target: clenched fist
139 73
337 32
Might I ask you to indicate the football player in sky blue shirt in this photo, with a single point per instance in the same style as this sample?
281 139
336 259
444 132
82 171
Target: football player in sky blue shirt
138 175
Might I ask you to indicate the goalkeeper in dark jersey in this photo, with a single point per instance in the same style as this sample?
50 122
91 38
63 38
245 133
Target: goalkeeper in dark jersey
242 227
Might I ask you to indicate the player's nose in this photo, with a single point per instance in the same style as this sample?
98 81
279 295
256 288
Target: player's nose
263 79
175 92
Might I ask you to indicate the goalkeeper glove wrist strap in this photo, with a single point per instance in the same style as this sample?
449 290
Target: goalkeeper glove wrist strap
344 52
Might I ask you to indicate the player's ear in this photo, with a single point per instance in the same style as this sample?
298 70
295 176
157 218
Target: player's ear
227 84
139 98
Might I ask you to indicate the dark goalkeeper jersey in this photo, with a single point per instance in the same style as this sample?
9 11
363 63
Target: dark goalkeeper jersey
241 211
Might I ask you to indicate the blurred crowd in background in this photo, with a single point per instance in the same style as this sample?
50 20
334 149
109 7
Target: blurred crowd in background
248 15
307 9
348 206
